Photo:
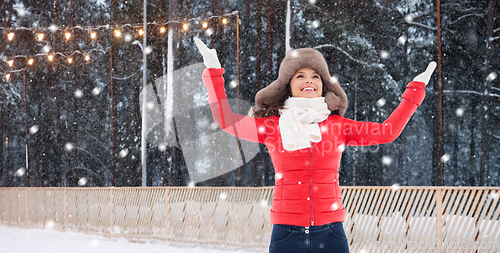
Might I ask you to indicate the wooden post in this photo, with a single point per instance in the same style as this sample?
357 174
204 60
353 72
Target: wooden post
65 209
112 95
438 197
440 96
111 212
26 129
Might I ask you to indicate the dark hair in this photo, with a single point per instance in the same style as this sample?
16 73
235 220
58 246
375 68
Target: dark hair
274 107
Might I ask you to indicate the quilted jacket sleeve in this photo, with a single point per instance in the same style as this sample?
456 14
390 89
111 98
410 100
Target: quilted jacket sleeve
241 126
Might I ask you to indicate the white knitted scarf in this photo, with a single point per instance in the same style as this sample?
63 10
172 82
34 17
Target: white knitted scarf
299 121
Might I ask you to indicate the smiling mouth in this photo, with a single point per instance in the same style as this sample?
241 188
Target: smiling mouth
308 89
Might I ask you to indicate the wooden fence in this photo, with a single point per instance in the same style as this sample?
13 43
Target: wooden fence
379 219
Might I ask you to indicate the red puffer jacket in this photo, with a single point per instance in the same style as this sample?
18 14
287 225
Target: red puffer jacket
307 191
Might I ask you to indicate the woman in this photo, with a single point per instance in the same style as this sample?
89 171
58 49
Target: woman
299 118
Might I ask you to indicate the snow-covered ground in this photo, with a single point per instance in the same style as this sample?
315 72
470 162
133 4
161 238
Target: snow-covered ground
45 240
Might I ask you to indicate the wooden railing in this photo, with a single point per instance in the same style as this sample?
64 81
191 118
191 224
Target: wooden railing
379 219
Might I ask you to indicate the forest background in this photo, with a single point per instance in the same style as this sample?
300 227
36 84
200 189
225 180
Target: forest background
78 123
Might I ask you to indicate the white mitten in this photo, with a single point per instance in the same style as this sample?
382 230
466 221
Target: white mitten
426 76
209 55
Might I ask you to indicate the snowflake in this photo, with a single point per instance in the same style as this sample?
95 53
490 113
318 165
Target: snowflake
315 24
78 93
33 129
445 158
123 153
278 176
395 187
20 172
386 160
341 148
69 146
492 76
96 91
223 196
381 102
384 54
402 39
334 79
82 181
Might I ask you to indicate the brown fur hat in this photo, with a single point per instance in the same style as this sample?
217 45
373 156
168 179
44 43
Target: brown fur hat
294 60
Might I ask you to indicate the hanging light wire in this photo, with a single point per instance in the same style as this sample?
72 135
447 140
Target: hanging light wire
93 34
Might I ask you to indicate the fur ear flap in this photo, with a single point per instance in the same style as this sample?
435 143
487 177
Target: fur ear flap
336 103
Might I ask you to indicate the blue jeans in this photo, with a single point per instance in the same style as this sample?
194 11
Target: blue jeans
294 239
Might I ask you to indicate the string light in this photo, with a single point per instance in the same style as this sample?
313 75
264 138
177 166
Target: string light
7 77
39 34
93 35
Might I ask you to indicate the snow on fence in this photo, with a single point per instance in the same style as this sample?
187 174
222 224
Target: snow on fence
379 219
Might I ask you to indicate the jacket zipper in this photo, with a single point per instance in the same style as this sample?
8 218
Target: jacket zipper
311 186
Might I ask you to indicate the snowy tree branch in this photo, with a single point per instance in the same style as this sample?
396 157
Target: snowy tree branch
92 156
421 25
470 92
407 22
369 65
99 142
495 88
454 5
88 170
466 16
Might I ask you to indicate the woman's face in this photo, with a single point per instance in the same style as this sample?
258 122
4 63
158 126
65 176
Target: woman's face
306 83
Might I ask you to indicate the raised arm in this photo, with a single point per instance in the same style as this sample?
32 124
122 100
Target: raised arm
241 126
359 133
